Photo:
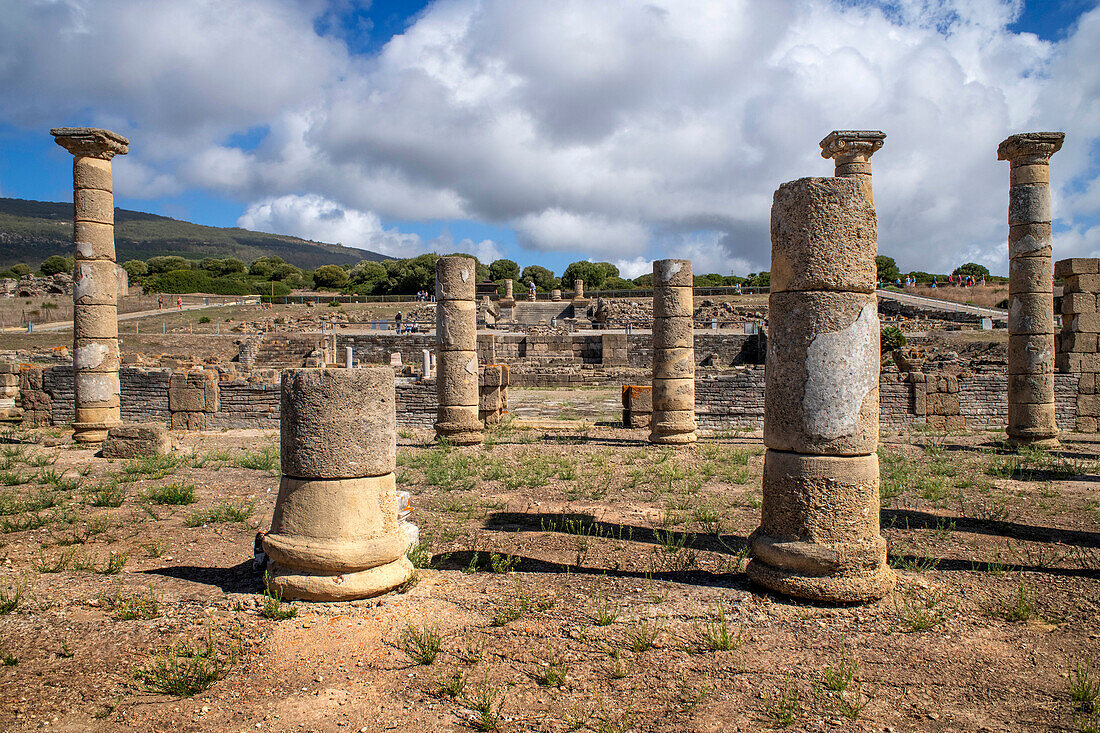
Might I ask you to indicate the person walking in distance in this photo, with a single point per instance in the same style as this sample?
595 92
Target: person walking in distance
179 302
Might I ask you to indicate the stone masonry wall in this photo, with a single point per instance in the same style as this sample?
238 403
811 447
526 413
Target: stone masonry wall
1076 346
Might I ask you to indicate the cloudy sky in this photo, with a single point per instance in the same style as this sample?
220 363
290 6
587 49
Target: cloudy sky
554 130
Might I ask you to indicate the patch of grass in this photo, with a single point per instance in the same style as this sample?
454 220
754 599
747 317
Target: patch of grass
11 596
454 684
227 511
713 634
642 633
603 610
13 478
184 670
554 672
107 494
265 459
57 565
503 563
1017 607
472 652
837 678
114 564
175 494
420 555
1084 690
132 606
516 604
57 480
784 704
41 460
149 468
9 659
485 702
273 607
421 643
34 520
923 610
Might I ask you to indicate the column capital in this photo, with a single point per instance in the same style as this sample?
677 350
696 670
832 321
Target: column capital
851 146
91 142
1030 148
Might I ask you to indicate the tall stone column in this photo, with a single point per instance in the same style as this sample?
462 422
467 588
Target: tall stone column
819 534
673 421
1030 288
95 283
852 150
335 534
509 300
456 346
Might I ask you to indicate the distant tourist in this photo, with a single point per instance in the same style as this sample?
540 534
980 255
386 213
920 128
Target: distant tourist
179 302
160 302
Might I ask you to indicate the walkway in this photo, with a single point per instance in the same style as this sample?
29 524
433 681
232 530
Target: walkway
921 301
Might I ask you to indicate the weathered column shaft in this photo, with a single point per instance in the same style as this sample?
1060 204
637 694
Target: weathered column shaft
456 346
1030 288
673 420
95 282
819 532
335 533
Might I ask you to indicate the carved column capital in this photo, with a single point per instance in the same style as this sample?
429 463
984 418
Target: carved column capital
851 146
1030 148
91 142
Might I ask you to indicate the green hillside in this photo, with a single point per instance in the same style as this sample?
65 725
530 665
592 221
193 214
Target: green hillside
31 231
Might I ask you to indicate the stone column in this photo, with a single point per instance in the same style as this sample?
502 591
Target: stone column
95 284
852 150
426 363
335 534
819 532
1030 289
456 347
509 300
673 421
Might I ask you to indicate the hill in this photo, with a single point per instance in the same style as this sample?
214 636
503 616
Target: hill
31 231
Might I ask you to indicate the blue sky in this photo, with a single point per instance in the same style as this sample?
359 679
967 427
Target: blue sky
550 131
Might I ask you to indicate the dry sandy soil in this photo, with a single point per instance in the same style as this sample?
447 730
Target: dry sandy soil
579 579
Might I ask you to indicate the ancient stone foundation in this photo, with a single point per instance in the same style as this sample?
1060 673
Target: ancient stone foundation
137 441
335 533
493 393
193 400
673 421
456 346
9 393
1077 347
1030 289
95 283
819 533
637 406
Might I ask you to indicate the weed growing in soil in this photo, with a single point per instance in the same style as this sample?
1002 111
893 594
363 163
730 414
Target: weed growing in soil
175 494
1084 690
485 701
60 563
923 610
265 459
9 659
837 678
784 705
227 511
555 671
107 494
714 634
185 670
604 611
453 685
1016 607
149 468
421 643
130 607
419 555
10 597
618 668
643 632
273 607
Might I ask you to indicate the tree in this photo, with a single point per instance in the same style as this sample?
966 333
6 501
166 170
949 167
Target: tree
264 266
55 264
973 269
758 279
135 269
503 270
221 267
888 270
593 274
21 269
616 283
540 276
168 263
330 276
644 281
366 277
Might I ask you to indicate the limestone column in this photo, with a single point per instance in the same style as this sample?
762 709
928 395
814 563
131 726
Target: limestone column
95 284
851 150
456 346
335 534
1030 288
819 534
673 421
509 300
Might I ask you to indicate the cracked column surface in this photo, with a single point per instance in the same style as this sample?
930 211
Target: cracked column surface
456 347
819 534
1030 288
95 283
335 534
673 420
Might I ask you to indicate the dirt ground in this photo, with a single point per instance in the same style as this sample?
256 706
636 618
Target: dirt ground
578 578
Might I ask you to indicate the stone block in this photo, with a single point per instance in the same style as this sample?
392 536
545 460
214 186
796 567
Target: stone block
920 399
456 378
91 172
189 421
673 394
1031 313
1030 420
1028 204
1078 303
95 321
95 283
494 375
1088 405
137 441
633 419
94 241
1027 240
674 363
1086 424
1087 384
637 398
673 303
1032 354
96 355
823 233
1037 388
1034 173
93 204
456 325
1076 266
455 278
338 423
490 400
673 273
943 404
822 376
1085 323
1082 284
673 333
1031 274
947 383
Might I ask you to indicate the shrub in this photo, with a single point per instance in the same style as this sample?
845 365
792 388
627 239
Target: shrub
890 338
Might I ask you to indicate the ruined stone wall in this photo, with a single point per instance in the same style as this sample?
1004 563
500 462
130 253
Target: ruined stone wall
1076 346
730 400
145 394
247 404
417 404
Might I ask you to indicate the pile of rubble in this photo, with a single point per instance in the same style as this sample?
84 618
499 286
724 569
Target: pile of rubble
30 286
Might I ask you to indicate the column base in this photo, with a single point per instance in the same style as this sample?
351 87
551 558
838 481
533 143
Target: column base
1045 443
853 572
673 438
298 585
91 432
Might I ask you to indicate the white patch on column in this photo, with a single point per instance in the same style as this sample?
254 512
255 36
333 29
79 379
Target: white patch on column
841 370
471 367
89 356
667 269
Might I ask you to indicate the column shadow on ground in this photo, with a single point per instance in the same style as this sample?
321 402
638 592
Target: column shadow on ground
239 578
913 519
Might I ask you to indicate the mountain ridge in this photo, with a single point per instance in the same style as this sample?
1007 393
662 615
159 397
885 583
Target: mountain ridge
31 231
